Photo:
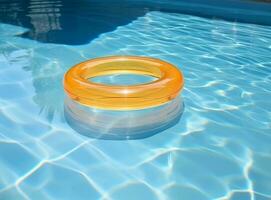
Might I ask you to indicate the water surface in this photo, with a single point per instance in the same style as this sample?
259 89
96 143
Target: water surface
220 149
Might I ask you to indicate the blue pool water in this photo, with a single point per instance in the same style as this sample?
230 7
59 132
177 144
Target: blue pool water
219 149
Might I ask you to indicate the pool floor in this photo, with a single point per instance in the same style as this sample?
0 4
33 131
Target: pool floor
220 149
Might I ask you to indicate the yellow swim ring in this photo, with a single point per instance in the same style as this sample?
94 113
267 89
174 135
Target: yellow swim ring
79 87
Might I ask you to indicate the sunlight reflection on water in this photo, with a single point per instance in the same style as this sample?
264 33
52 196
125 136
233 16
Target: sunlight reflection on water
220 149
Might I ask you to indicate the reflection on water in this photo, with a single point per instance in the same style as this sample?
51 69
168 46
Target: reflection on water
66 22
121 125
45 19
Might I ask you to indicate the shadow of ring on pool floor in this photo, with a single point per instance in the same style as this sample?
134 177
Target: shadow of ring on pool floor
122 125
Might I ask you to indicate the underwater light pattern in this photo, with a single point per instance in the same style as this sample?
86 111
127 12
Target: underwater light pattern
220 149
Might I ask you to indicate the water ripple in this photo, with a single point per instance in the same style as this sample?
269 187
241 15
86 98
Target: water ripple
220 149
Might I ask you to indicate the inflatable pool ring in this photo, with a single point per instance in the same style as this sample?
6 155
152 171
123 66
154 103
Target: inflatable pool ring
79 87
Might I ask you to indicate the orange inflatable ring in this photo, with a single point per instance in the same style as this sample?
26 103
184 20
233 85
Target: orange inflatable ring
80 88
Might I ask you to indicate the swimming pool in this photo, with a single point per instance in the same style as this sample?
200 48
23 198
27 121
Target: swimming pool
220 147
